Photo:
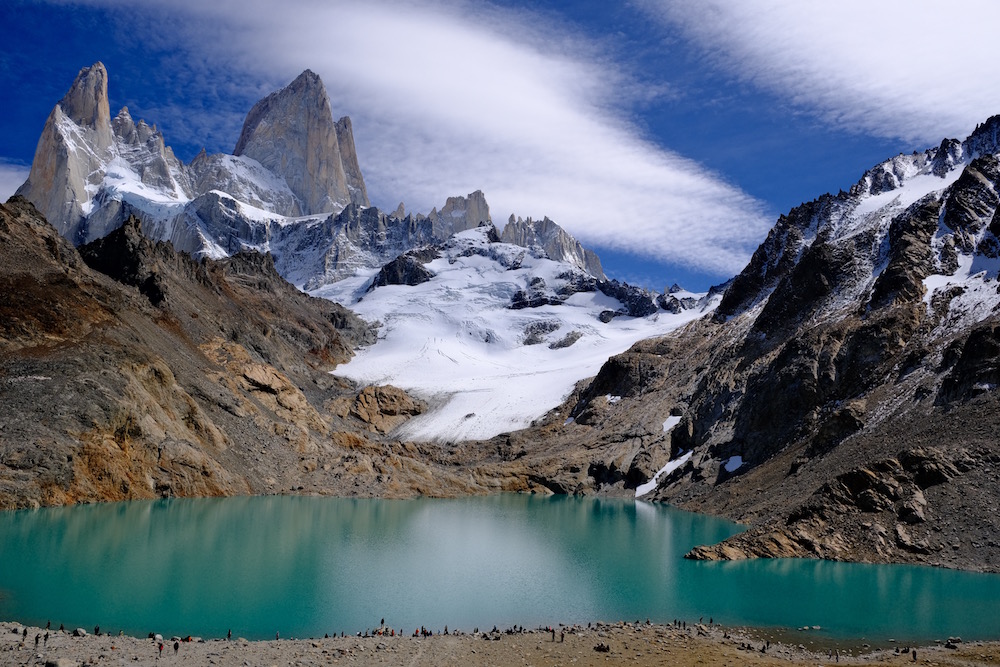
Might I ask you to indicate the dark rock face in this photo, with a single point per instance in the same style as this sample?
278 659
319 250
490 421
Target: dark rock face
985 139
535 332
775 257
973 199
566 340
672 304
406 269
636 302
910 258
973 365
533 299
121 255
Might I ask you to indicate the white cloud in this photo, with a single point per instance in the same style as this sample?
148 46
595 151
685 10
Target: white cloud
12 176
450 97
918 70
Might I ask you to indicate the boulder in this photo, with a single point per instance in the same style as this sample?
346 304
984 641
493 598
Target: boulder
383 408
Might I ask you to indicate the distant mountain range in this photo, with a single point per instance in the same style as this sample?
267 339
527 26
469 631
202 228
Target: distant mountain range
838 395
292 187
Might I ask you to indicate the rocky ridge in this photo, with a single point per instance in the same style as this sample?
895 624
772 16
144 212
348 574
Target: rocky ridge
555 242
841 399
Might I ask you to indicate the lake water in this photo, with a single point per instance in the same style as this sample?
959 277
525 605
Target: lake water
307 566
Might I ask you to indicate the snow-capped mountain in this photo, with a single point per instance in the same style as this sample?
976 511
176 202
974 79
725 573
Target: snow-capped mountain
91 172
465 313
292 187
946 196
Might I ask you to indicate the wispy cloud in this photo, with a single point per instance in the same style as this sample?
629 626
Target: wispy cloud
12 175
918 70
450 97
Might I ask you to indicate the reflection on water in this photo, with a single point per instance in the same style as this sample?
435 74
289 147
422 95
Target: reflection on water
308 566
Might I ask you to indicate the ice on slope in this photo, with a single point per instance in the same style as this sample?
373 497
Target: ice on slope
977 278
454 342
643 489
670 423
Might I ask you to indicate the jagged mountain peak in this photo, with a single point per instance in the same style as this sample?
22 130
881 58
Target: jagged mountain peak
292 133
985 138
557 243
76 143
86 102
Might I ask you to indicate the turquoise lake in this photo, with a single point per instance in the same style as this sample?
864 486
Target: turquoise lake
308 566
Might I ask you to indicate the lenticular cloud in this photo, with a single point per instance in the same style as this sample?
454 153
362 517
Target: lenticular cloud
918 71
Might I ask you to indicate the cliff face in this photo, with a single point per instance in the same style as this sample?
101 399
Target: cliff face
555 242
292 133
75 144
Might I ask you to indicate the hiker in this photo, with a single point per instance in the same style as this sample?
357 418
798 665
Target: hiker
229 635
562 636
177 646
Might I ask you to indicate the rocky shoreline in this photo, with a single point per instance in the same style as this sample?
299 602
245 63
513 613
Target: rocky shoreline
638 643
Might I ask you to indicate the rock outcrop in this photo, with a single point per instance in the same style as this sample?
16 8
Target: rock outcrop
554 241
75 144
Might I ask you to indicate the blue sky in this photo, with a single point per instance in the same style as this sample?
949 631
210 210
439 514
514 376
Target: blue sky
668 136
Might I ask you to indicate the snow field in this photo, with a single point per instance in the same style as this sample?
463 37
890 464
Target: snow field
455 343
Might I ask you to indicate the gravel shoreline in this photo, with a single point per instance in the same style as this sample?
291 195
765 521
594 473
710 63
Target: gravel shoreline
641 644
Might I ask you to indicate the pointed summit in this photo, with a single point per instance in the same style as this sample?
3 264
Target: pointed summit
75 144
292 133
86 103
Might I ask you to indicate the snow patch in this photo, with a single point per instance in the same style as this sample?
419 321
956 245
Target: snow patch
643 489
733 463
670 422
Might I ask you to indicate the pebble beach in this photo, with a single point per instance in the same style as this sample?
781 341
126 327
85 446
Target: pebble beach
639 643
